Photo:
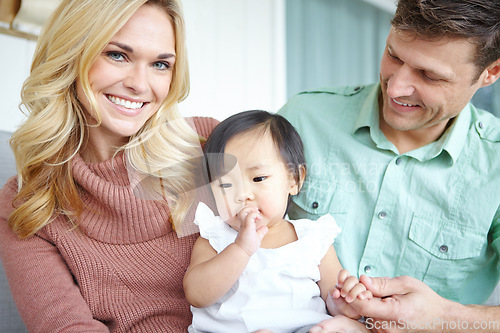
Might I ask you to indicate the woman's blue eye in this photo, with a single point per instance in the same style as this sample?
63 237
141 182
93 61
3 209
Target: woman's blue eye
115 55
161 65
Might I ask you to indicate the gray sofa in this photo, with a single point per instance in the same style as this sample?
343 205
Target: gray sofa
10 321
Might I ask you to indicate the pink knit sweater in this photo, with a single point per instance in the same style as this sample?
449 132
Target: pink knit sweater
121 270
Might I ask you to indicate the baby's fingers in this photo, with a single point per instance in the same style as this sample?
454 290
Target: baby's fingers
358 291
249 217
262 231
343 275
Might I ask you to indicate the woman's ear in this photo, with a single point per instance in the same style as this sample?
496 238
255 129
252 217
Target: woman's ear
296 186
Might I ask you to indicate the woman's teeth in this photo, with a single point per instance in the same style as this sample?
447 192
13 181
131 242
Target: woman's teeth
403 104
125 103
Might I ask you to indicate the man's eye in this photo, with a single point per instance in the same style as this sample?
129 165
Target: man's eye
259 179
392 56
225 185
428 77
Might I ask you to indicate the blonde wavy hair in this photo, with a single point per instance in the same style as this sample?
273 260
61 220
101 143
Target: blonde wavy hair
55 128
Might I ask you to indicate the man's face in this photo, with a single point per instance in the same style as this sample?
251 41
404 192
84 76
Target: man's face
425 83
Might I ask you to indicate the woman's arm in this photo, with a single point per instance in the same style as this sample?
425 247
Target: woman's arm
42 286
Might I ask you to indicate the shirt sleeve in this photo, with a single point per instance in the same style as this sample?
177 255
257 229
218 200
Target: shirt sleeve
495 236
42 286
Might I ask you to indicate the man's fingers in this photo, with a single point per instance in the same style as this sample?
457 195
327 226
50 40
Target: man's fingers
378 307
383 287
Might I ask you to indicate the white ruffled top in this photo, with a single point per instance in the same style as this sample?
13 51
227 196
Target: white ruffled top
278 289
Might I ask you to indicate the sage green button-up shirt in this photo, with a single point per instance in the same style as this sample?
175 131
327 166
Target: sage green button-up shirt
432 213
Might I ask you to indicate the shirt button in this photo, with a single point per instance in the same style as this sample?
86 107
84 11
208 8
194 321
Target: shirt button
382 215
368 269
315 204
357 88
399 160
443 248
480 125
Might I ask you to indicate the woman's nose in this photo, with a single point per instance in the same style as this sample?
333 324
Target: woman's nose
136 79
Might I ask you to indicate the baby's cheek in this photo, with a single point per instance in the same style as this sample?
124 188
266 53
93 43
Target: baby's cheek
234 222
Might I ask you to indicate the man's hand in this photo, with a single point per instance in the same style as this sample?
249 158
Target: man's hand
402 304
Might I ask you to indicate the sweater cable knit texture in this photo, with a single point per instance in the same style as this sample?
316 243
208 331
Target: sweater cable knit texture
120 270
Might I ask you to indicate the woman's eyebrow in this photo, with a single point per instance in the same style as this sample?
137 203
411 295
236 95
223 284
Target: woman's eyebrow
123 46
131 50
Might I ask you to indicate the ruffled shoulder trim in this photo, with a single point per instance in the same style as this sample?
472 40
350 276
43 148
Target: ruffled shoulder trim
317 235
218 233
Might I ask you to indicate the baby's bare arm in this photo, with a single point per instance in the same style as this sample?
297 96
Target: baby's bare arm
210 275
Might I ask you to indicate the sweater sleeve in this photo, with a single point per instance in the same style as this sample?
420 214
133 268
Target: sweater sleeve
42 286
204 125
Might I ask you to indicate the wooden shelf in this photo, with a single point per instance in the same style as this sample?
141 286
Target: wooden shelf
17 34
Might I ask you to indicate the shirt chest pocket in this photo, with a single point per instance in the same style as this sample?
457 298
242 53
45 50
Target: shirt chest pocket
321 196
447 254
446 240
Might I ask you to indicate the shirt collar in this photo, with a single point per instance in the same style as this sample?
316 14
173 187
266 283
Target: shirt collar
368 115
452 141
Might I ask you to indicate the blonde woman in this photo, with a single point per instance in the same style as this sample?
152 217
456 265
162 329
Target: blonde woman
81 249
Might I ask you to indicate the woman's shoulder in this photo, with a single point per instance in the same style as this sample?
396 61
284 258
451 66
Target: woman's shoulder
203 125
7 194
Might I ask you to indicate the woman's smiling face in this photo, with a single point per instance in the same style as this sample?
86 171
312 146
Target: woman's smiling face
130 79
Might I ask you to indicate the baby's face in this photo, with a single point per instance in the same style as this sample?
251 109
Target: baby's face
224 190
259 180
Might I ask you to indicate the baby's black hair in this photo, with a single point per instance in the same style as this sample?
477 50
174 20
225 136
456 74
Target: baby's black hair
284 135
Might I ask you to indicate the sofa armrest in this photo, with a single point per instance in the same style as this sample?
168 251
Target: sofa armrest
7 162
10 321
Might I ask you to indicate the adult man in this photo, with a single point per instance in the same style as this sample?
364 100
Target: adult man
411 171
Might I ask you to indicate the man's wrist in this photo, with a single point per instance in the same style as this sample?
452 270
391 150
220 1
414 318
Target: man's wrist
469 318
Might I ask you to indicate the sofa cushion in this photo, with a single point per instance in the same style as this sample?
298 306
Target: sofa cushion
7 163
10 321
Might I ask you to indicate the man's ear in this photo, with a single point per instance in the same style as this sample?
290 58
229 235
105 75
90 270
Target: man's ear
492 73
297 186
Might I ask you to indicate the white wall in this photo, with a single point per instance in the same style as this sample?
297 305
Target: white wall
15 61
236 53
237 56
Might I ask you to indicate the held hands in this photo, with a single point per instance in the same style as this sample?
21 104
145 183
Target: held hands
251 231
349 290
340 303
398 304
403 300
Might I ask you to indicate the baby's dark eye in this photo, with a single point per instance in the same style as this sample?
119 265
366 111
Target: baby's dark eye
259 179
